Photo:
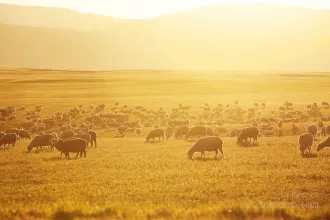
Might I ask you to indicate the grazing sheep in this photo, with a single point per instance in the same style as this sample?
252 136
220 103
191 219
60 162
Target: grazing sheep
198 131
180 131
7 139
158 132
249 132
169 132
66 134
85 136
72 145
138 131
24 134
41 140
93 138
312 129
305 142
220 131
206 144
324 144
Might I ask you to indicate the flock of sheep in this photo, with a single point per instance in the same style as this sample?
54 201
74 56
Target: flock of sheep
63 132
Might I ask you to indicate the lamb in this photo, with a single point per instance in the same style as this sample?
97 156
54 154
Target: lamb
158 132
312 129
180 131
249 132
198 131
24 134
7 139
305 142
169 132
72 145
41 140
85 136
211 143
324 144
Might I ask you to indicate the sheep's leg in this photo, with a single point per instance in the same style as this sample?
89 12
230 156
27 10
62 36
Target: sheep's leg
216 154
77 155
84 153
221 152
201 155
68 156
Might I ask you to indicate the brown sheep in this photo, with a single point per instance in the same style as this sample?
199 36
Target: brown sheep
305 142
169 132
7 139
180 131
312 129
206 144
72 145
198 131
154 134
41 140
24 134
250 132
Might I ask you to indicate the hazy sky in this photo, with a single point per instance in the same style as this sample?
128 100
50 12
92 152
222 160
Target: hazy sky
151 8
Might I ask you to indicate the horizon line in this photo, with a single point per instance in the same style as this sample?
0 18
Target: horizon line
169 13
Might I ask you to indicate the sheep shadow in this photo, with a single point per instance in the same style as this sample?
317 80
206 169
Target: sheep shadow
247 144
53 159
309 155
199 159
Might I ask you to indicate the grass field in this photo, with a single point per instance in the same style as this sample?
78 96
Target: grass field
127 178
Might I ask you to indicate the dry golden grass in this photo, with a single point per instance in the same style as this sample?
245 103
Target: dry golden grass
126 178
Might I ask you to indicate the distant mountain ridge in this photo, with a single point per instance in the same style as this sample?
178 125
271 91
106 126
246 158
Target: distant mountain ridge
258 37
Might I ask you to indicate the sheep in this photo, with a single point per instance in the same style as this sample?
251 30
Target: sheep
211 143
220 130
324 144
7 139
158 132
305 142
138 131
180 131
312 129
24 134
200 131
72 145
41 140
169 132
67 134
249 132
85 136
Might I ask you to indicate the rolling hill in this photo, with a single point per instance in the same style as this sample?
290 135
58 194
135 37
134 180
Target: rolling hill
258 37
